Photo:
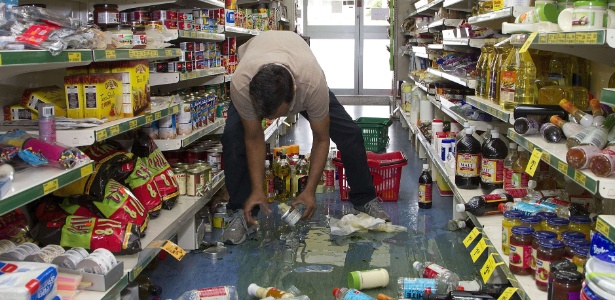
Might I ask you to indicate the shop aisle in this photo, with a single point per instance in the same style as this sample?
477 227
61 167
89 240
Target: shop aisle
315 262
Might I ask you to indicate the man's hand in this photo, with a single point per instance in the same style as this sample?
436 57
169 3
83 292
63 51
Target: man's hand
309 200
255 199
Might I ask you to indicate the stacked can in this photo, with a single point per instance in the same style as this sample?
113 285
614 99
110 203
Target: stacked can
230 10
262 18
229 55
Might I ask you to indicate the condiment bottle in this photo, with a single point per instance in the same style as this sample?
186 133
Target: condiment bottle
539 235
494 151
520 256
560 265
485 204
551 133
603 163
480 83
511 219
597 112
531 221
368 279
582 117
262 292
282 180
567 285
468 162
482 90
570 129
268 185
526 126
548 251
425 188
501 54
545 215
557 225
552 94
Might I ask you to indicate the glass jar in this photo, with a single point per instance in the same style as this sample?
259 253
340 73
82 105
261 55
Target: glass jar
106 15
139 38
511 219
571 234
539 235
532 221
548 251
560 265
557 225
581 255
567 285
581 224
545 215
123 34
520 256
571 244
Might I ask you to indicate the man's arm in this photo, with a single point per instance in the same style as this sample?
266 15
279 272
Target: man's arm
255 152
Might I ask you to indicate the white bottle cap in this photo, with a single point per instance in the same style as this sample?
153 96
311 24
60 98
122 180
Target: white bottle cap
512 145
587 120
425 166
252 288
461 224
469 131
466 124
416 265
495 134
531 184
460 207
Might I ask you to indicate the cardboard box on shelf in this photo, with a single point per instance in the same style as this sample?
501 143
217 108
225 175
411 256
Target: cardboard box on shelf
18 112
135 79
73 87
102 94
49 94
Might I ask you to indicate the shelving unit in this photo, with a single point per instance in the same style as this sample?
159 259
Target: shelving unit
460 5
186 140
494 19
131 54
606 225
19 62
456 79
200 35
491 108
231 31
175 77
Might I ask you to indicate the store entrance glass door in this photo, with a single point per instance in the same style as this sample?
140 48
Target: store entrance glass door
349 39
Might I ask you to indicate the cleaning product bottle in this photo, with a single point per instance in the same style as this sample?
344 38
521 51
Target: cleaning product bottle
425 188
494 151
525 82
467 160
263 292
350 294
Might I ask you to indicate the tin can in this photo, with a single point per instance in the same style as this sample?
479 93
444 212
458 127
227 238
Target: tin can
185 25
189 66
186 46
139 15
170 24
214 158
196 13
161 67
193 181
180 165
196 27
167 128
180 175
229 46
156 25
181 16
125 17
184 118
161 15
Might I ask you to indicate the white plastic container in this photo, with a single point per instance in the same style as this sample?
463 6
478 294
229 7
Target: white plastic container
586 15
368 279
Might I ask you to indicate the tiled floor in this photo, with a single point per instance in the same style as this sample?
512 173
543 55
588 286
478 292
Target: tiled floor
311 260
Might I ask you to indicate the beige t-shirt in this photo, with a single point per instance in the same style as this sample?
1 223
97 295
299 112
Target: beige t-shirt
289 49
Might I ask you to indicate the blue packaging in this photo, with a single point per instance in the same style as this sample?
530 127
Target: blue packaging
601 245
414 288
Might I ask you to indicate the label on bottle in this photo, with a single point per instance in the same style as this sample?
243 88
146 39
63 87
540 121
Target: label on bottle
213 293
270 187
108 17
542 271
493 85
495 198
507 86
596 138
328 177
425 193
582 19
433 270
301 184
414 288
520 256
353 294
505 235
468 165
278 183
519 182
492 170
533 259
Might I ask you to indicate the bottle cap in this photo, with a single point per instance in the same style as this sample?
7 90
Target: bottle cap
425 166
354 280
495 134
461 224
252 288
460 207
416 265
469 131
531 184
335 290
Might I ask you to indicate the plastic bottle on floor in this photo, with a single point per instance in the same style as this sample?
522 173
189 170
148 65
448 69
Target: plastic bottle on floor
445 278
263 292
212 293
350 294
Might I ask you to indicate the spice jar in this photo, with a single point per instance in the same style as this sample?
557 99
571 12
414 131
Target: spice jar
539 235
567 285
571 244
545 215
580 258
557 225
520 255
139 38
123 34
560 265
581 224
106 15
548 251
511 219
532 221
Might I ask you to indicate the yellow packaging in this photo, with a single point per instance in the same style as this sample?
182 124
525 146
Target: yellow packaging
18 112
49 94
99 67
102 94
443 188
73 87
77 70
136 84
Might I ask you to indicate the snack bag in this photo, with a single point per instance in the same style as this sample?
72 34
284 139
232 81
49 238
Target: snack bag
141 182
94 233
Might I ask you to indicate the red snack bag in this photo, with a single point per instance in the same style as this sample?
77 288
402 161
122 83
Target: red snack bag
141 182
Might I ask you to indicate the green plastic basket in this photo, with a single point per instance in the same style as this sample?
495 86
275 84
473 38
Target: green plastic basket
375 132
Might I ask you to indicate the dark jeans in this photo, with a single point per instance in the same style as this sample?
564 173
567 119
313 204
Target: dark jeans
344 132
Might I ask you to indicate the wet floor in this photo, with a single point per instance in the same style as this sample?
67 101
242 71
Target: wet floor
309 259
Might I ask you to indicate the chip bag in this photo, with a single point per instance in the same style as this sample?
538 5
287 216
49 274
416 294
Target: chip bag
14 227
94 233
141 182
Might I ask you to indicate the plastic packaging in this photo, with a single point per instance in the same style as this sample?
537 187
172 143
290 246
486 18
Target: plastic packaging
368 279
425 188
415 288
213 293
445 279
350 294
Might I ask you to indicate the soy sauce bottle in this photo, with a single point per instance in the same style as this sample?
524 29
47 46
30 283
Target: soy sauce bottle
468 162
492 167
425 183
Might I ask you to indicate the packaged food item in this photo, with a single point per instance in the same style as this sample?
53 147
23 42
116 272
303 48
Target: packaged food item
135 80
141 182
18 112
102 95
49 94
73 87
27 280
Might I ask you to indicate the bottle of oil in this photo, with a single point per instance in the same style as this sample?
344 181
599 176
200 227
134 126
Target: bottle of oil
425 184
525 83
484 92
519 178
269 185
501 54
467 160
479 69
508 77
512 156
492 166
584 73
562 68
552 95
283 184
300 176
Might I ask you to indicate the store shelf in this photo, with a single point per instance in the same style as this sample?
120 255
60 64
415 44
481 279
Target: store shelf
166 226
110 294
231 31
491 108
241 3
606 225
156 79
445 22
423 29
494 19
420 85
33 183
555 155
434 5
435 46
596 45
608 96
128 54
185 140
461 5
19 62
273 128
462 81
456 42
200 35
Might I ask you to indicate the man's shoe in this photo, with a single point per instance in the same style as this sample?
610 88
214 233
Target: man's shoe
373 209
237 230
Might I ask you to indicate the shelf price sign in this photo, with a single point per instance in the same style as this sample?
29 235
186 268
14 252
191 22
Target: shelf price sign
50 186
487 270
528 42
508 292
478 250
533 163
602 227
471 237
173 249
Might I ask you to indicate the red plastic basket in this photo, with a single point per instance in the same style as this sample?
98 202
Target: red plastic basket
386 174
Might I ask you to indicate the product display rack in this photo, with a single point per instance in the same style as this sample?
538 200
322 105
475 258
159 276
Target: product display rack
19 62
132 54
496 18
205 36
494 109
186 140
156 79
471 83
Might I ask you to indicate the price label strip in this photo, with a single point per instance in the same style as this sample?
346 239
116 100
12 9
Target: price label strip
471 237
528 42
533 163
487 270
508 293
173 249
602 227
478 250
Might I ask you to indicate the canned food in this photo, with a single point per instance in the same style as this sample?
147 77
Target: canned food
187 56
189 66
161 68
180 165
170 24
196 27
184 118
185 25
193 182
214 158
139 15
180 176
164 15
125 18
199 55
167 128
186 46
156 25
195 154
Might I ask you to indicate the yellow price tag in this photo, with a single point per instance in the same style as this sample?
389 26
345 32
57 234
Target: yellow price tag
487 270
562 167
602 227
570 38
0 59
498 4
149 118
74 56
87 170
512 134
580 177
50 186
508 292
193 34
101 135
533 163
174 250
132 124
110 54
546 157
114 130
157 115
542 39
471 237
134 53
528 42
478 250
168 52
175 109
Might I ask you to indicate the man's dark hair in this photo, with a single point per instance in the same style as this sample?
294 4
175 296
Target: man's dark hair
271 86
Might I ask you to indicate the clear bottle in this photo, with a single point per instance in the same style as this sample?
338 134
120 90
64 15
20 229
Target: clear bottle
456 224
519 177
425 188
269 184
479 69
415 288
300 176
468 160
582 117
494 151
597 112
328 175
553 94
501 54
562 67
213 293
525 82
283 184
262 292
444 277
532 194
486 71
487 134
512 156
350 294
